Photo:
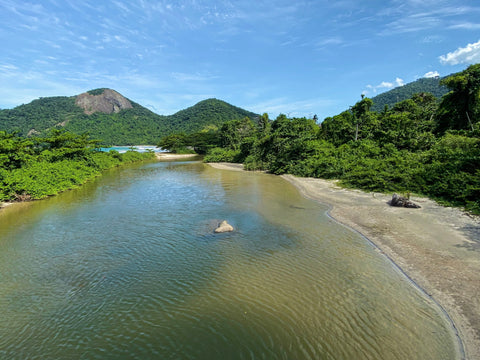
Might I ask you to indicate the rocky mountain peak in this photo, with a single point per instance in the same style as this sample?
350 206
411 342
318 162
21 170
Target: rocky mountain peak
102 100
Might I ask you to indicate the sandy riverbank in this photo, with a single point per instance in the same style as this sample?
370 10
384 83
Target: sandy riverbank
170 156
437 247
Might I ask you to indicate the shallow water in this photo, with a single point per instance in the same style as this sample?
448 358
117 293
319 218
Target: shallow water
128 267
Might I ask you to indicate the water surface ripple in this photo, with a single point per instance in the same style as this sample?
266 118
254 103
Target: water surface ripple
128 267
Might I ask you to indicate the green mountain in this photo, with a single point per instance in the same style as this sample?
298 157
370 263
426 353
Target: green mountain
107 115
390 98
207 114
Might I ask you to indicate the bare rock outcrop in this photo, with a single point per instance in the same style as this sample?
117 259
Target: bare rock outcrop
400 201
109 101
224 227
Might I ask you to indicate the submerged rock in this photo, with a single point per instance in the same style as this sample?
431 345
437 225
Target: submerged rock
224 227
400 201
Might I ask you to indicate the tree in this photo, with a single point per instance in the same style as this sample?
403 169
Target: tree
360 113
460 108
14 151
264 123
338 129
234 132
173 143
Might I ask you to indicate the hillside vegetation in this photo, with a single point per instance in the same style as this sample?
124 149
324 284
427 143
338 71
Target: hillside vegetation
419 145
124 125
423 85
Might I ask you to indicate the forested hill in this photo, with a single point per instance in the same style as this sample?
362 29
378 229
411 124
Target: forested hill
423 85
211 113
108 116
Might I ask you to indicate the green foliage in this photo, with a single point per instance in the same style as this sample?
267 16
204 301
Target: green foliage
397 150
206 113
222 155
234 133
14 151
174 143
460 108
41 114
96 91
199 142
39 167
423 85
134 126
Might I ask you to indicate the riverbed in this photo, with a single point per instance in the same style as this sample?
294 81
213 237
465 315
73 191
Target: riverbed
128 266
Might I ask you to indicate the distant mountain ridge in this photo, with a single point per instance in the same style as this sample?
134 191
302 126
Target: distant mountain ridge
107 115
400 93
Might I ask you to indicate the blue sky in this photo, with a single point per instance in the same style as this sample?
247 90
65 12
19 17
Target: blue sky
278 56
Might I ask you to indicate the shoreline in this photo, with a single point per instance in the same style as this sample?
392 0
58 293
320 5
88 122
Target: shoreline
442 260
172 156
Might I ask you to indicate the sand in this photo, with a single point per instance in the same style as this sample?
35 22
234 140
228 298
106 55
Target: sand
171 156
437 247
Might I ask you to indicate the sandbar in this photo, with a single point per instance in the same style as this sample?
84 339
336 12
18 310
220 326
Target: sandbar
172 156
437 247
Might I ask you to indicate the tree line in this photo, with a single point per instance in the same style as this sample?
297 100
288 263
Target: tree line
37 167
420 145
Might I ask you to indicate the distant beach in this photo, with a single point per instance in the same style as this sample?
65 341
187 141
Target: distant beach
437 247
139 148
171 156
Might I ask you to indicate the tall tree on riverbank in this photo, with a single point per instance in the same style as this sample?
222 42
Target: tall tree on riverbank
460 108
360 113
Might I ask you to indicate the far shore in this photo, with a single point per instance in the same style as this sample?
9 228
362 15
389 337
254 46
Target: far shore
172 156
437 247
158 155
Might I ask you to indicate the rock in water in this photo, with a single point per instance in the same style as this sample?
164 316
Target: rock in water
400 201
224 227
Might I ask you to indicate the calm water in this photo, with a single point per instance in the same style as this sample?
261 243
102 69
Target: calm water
127 267
138 148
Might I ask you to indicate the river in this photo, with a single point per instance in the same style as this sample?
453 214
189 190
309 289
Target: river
127 266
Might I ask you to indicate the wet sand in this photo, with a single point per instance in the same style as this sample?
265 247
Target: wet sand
171 156
437 247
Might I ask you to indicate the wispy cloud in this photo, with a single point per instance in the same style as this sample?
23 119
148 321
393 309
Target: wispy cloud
419 15
335 40
466 26
283 105
191 77
469 54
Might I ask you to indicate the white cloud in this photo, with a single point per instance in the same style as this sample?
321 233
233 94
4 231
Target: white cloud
431 74
384 85
469 54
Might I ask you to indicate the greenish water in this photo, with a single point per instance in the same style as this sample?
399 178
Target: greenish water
127 267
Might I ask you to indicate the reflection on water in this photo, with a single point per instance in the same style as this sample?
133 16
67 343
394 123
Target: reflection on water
128 267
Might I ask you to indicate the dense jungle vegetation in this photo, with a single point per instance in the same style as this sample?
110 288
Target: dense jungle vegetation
420 145
37 167
134 126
